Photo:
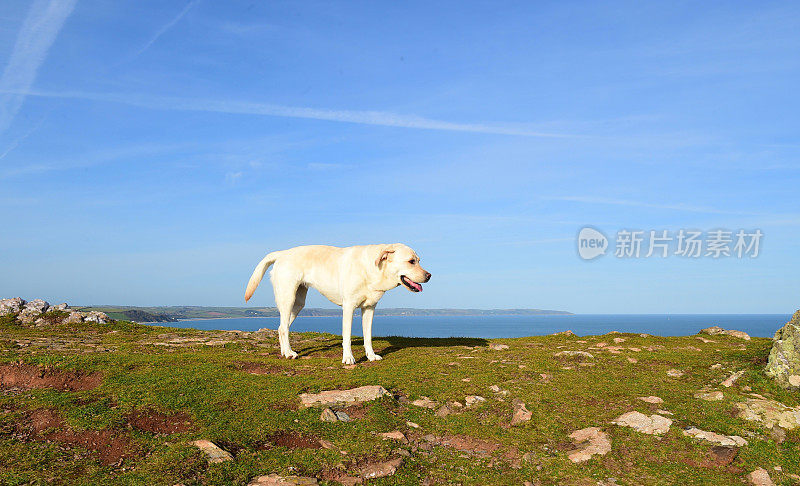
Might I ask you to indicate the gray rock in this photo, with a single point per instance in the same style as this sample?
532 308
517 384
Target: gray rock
74 317
589 442
12 305
760 477
784 357
98 317
716 331
328 415
63 307
769 412
32 311
713 437
521 413
424 402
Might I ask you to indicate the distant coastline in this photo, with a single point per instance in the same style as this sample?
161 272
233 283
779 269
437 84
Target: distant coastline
184 313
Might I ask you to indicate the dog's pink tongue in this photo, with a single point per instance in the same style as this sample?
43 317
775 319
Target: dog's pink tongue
416 286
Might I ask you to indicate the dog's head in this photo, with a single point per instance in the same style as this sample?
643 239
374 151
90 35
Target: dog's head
400 264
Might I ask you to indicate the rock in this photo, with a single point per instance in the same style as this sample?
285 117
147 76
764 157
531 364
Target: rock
729 381
32 311
716 366
498 347
380 470
328 415
716 330
760 477
474 400
674 373
589 442
424 402
705 340
74 317
212 451
619 340
784 357
276 480
63 307
722 456
13 305
778 434
394 435
651 399
412 425
769 412
333 397
448 408
654 424
723 440
582 354
712 396
98 317
521 413
632 360
564 333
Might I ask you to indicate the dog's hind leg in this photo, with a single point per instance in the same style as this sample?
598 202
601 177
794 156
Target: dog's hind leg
285 301
299 302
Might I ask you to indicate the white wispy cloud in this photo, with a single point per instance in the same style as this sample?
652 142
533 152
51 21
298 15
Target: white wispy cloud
380 118
643 204
36 36
166 27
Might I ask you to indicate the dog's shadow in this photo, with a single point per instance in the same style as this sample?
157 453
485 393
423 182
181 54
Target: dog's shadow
396 343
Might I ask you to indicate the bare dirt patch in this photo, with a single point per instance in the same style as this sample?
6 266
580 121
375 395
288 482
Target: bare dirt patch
27 377
46 425
262 369
156 422
357 411
294 440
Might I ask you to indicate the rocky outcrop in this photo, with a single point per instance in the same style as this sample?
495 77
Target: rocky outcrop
784 358
13 305
769 412
713 437
32 311
716 331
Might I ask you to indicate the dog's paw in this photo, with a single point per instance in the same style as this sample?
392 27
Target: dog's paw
348 360
374 357
291 354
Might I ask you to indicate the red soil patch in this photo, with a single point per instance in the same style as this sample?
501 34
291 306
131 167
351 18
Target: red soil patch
156 422
110 446
357 411
295 440
28 377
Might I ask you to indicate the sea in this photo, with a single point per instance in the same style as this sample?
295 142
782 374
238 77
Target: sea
757 325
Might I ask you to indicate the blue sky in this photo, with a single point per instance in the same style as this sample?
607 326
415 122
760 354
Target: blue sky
152 152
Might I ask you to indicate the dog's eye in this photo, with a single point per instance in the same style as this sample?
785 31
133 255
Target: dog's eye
412 261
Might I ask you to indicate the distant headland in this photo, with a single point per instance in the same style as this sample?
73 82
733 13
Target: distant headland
177 313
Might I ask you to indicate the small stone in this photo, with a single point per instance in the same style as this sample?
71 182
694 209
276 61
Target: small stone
277 480
498 347
213 452
582 354
654 424
342 416
760 477
664 412
794 380
474 400
394 435
589 442
521 413
633 360
722 456
495 388
381 470
729 381
778 434
712 396
716 366
424 402
674 373
619 340
328 415
651 399
412 425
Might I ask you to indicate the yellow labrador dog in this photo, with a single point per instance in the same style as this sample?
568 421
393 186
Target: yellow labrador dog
356 276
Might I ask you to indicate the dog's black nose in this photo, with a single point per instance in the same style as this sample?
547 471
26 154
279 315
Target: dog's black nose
427 276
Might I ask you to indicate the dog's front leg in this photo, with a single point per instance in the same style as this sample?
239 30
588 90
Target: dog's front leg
366 326
347 324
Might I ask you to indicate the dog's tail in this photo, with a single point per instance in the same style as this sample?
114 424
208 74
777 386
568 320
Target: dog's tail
258 274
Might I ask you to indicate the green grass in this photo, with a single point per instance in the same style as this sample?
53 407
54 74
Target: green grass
242 411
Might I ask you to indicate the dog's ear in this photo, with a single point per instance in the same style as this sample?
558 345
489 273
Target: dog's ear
383 256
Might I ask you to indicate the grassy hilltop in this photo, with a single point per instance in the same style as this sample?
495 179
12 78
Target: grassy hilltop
120 403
